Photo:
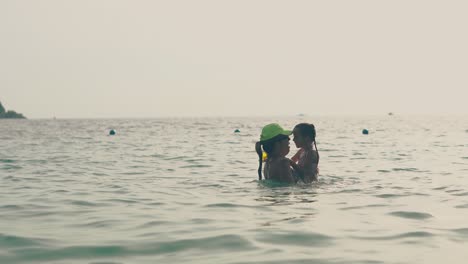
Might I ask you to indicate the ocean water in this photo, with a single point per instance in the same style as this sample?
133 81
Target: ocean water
185 190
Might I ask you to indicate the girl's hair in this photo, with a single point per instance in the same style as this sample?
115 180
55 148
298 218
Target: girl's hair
308 130
268 148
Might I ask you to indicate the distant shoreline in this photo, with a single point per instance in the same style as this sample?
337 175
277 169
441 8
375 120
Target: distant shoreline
292 116
10 114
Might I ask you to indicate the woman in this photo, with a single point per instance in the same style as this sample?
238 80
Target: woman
274 140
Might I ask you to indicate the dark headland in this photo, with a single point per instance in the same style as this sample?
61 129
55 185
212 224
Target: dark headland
9 114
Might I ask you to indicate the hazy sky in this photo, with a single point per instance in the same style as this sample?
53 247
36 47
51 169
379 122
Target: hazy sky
113 58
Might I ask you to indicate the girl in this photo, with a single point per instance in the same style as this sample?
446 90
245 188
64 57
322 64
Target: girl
275 142
306 158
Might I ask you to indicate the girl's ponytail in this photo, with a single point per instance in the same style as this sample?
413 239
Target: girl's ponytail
314 134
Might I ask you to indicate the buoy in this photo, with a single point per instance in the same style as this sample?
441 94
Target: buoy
112 132
237 131
365 132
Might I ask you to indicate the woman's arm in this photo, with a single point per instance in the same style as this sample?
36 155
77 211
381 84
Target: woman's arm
285 172
297 169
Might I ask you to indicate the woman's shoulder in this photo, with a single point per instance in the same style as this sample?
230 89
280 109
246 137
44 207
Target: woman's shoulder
279 161
277 169
284 161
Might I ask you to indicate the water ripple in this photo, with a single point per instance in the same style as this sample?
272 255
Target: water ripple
231 205
415 234
7 161
411 215
10 241
304 239
405 169
390 195
363 207
152 224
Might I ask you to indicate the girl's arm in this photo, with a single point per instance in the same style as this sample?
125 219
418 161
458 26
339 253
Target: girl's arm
296 156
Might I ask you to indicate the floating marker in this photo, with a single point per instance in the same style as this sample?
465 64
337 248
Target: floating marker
112 132
237 131
365 132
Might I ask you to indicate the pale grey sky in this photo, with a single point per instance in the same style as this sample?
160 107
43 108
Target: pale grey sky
115 58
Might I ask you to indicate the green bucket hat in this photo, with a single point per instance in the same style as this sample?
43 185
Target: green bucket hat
270 131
